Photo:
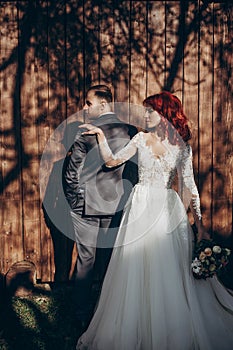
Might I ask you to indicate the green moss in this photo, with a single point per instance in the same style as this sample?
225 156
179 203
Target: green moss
43 321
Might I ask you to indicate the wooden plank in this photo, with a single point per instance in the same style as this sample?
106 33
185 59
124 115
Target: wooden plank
91 44
138 52
106 47
75 72
29 136
122 51
12 238
42 75
56 29
11 205
190 79
138 62
156 47
43 128
174 47
205 112
122 13
222 133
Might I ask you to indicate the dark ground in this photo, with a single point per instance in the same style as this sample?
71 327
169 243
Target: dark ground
44 320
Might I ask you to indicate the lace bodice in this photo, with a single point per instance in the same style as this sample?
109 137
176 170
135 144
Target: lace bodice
154 170
159 171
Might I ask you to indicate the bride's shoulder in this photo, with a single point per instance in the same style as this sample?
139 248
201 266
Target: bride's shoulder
138 139
141 135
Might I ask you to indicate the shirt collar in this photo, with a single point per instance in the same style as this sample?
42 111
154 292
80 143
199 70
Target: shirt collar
105 114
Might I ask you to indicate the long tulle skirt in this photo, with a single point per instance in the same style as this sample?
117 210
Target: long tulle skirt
149 299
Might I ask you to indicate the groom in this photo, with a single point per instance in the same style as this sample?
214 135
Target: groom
97 194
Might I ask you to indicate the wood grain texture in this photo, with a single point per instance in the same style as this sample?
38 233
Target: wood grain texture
156 57
190 90
222 122
206 114
11 234
51 52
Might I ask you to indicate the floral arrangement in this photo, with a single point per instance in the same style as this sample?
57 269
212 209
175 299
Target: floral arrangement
209 259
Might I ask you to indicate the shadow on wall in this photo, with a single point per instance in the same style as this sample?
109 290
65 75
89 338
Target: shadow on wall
57 212
68 30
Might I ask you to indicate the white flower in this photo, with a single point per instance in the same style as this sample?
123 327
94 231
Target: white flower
196 262
228 251
217 249
196 266
196 269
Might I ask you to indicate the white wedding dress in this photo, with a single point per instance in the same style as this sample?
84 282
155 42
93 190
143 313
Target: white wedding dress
149 299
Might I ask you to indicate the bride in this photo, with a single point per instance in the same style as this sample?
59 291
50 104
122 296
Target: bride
149 299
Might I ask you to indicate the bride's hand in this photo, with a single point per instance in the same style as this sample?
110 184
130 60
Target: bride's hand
91 129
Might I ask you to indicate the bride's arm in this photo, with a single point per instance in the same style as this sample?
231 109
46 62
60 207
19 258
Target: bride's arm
190 191
110 159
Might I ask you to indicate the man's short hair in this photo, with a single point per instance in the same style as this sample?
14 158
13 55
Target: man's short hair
102 91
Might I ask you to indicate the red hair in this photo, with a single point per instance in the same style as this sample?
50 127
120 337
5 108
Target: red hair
170 107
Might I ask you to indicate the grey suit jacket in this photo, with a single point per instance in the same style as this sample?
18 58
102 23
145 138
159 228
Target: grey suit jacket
101 191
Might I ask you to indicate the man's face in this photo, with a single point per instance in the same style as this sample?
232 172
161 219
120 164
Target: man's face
93 106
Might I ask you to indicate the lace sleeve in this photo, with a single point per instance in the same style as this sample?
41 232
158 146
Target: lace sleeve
187 186
111 160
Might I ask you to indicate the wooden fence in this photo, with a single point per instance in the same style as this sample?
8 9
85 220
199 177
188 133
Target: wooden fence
52 51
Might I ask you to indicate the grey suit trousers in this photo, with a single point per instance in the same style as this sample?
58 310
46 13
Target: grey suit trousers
95 237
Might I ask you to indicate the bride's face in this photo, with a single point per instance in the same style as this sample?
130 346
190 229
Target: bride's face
152 117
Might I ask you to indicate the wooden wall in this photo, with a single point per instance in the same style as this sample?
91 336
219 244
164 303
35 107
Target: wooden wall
52 51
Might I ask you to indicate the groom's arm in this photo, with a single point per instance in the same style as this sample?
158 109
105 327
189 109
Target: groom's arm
71 177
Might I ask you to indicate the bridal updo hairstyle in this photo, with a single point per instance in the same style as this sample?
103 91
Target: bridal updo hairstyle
172 116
